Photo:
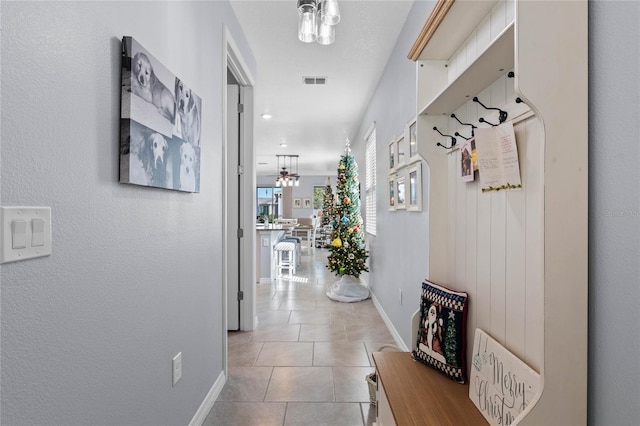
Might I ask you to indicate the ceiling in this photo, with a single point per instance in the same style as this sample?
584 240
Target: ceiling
315 120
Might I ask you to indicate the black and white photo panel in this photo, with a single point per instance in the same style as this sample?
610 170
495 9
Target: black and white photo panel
188 115
149 158
160 124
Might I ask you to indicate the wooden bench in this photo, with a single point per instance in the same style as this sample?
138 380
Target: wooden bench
411 393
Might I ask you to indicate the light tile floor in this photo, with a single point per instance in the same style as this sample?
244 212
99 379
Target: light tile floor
307 360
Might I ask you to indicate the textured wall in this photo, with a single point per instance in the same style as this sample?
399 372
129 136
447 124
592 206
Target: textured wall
614 212
88 333
399 251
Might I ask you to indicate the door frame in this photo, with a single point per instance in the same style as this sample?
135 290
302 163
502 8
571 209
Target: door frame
233 60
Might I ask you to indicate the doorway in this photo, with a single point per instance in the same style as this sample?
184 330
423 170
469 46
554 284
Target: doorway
238 177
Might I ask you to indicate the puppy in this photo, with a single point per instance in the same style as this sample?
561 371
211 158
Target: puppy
146 85
188 114
187 161
158 148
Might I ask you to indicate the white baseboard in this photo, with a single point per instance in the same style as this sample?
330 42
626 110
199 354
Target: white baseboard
209 400
394 333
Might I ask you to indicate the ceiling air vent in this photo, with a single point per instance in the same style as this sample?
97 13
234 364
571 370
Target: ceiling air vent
314 80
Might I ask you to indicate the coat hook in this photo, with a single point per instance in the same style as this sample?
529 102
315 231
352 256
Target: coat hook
453 140
519 101
511 74
502 117
453 143
482 120
464 124
466 139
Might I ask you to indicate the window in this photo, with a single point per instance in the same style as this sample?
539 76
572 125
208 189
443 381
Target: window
267 203
370 182
318 197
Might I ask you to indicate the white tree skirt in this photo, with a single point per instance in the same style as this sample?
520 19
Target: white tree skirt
348 289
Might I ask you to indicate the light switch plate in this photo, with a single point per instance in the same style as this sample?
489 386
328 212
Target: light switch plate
28 214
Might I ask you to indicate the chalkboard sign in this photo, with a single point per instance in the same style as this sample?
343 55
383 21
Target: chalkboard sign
501 385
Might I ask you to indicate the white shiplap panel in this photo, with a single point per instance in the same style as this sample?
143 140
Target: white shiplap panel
510 11
461 238
452 68
483 34
498 265
498 19
484 243
510 90
471 231
483 262
515 259
535 244
453 207
471 47
498 92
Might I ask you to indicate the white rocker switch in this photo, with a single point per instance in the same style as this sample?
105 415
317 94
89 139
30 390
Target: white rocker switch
37 233
19 234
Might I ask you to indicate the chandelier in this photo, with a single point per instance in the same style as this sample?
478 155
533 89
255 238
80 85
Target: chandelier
287 177
317 20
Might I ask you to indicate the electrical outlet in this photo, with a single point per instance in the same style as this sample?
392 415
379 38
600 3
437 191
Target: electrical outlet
400 296
177 368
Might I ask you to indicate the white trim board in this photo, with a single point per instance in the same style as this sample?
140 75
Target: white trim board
394 333
209 400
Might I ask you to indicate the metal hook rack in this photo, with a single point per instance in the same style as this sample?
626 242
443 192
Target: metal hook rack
482 120
502 117
464 124
453 139
453 143
463 137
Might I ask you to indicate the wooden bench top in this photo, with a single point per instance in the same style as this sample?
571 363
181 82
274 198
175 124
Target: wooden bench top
420 395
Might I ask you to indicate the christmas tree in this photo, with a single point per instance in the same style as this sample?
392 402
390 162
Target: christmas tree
348 254
450 342
328 203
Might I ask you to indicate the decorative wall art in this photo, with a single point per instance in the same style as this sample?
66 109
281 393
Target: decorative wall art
402 150
466 162
412 136
160 124
307 203
392 192
297 203
414 202
392 155
400 192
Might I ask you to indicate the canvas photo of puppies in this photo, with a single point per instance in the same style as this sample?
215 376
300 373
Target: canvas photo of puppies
160 124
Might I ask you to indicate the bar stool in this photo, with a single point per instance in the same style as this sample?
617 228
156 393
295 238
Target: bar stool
298 242
289 262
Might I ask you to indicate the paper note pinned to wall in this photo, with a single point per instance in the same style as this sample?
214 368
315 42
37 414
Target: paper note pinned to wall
498 163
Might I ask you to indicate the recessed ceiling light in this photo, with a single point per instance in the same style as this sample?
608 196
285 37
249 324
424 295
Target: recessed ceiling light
283 145
266 116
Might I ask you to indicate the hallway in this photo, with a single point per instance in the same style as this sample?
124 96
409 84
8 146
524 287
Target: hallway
307 360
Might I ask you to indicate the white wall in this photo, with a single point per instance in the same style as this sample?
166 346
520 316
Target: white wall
614 212
89 332
399 251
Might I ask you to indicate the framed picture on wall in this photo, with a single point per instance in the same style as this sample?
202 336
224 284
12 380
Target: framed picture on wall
392 155
414 199
400 192
307 203
402 150
412 137
160 124
297 203
392 192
